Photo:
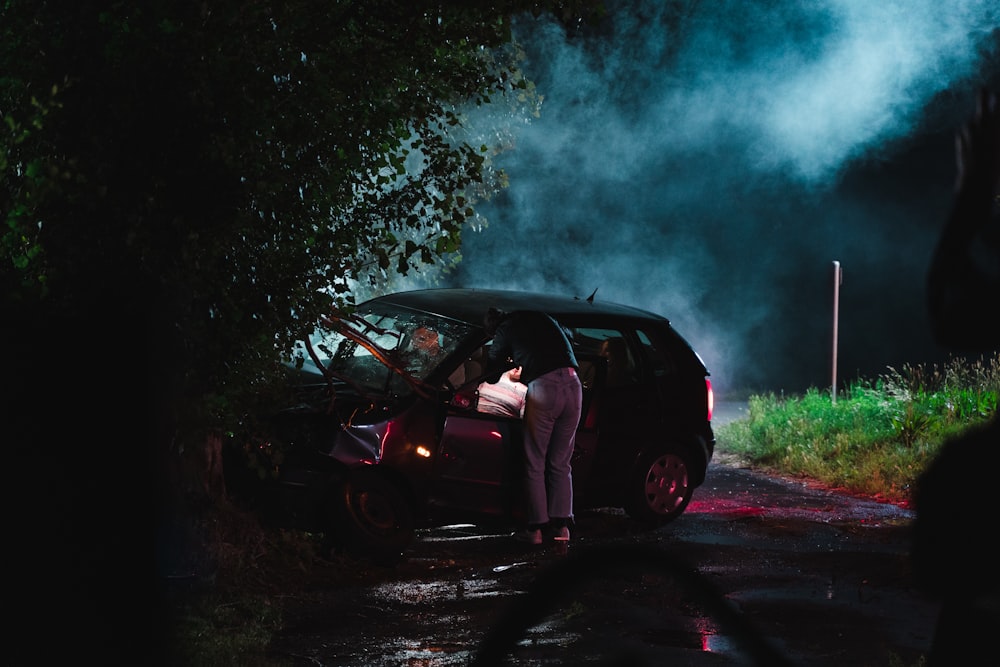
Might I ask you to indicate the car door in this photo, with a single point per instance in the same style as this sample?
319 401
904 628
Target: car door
476 466
593 371
479 466
620 405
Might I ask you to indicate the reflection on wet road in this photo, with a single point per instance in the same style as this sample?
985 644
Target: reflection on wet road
757 571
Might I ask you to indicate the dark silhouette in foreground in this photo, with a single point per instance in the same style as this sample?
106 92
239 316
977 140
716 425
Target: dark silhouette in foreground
557 585
952 551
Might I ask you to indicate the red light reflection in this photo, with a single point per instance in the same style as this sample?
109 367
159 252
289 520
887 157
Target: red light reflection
724 507
711 398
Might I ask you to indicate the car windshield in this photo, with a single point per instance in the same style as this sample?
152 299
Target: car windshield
411 341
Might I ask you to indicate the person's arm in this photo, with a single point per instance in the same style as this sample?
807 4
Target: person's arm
498 356
963 282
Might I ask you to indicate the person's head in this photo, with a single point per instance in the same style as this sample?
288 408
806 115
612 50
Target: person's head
613 349
492 320
514 374
425 339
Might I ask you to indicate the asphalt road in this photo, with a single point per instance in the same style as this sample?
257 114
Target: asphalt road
758 571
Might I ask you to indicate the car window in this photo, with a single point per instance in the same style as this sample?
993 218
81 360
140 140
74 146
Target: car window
411 341
612 346
658 360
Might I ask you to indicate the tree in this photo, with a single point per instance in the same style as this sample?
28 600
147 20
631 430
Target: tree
186 188
230 171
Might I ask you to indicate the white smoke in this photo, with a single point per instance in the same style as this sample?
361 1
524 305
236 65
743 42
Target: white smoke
709 161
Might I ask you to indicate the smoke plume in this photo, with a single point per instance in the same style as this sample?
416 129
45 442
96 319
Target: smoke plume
711 160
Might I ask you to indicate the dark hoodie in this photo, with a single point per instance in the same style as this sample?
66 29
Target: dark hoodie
529 339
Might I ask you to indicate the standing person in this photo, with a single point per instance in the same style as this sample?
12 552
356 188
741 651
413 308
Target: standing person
952 551
537 343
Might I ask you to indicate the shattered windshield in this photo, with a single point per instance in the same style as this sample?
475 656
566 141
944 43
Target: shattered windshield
369 348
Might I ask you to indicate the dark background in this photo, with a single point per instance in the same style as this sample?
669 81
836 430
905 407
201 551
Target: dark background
81 489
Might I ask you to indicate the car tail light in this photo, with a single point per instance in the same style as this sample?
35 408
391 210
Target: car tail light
711 397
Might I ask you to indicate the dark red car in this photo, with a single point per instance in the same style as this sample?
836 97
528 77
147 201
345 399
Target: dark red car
388 438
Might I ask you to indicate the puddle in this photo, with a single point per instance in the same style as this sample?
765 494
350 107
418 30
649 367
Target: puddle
430 592
504 568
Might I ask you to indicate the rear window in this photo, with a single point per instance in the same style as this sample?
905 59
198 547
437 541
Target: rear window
612 348
668 353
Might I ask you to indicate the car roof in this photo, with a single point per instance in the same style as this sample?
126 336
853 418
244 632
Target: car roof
470 304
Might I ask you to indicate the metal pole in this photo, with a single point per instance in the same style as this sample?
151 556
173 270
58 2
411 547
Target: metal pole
837 279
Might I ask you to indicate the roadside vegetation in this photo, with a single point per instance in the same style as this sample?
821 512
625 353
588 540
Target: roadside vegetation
876 437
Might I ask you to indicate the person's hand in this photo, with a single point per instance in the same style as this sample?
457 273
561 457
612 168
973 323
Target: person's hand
977 146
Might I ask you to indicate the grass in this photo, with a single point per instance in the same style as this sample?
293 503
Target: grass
225 628
877 436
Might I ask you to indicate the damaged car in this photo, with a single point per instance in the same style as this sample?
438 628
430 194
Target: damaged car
385 435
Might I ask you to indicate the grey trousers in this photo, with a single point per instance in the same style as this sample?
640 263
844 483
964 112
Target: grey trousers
551 416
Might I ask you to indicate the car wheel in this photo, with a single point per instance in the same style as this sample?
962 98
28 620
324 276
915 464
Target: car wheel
375 518
659 488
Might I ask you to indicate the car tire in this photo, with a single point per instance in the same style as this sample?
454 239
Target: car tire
374 518
659 487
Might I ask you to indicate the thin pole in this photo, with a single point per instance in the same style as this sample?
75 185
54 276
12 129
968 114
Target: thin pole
837 280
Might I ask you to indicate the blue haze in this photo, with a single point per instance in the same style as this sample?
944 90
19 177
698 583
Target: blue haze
711 162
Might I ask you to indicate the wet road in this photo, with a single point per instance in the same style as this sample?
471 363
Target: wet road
758 571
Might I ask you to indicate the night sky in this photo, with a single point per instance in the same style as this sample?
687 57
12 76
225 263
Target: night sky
712 164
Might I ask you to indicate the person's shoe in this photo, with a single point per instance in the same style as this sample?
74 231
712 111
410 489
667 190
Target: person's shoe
530 536
561 534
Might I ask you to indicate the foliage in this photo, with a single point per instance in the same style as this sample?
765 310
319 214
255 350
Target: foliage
225 630
878 437
185 188
233 621
226 172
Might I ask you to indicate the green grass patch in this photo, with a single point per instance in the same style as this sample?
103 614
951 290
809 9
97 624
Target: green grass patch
877 436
